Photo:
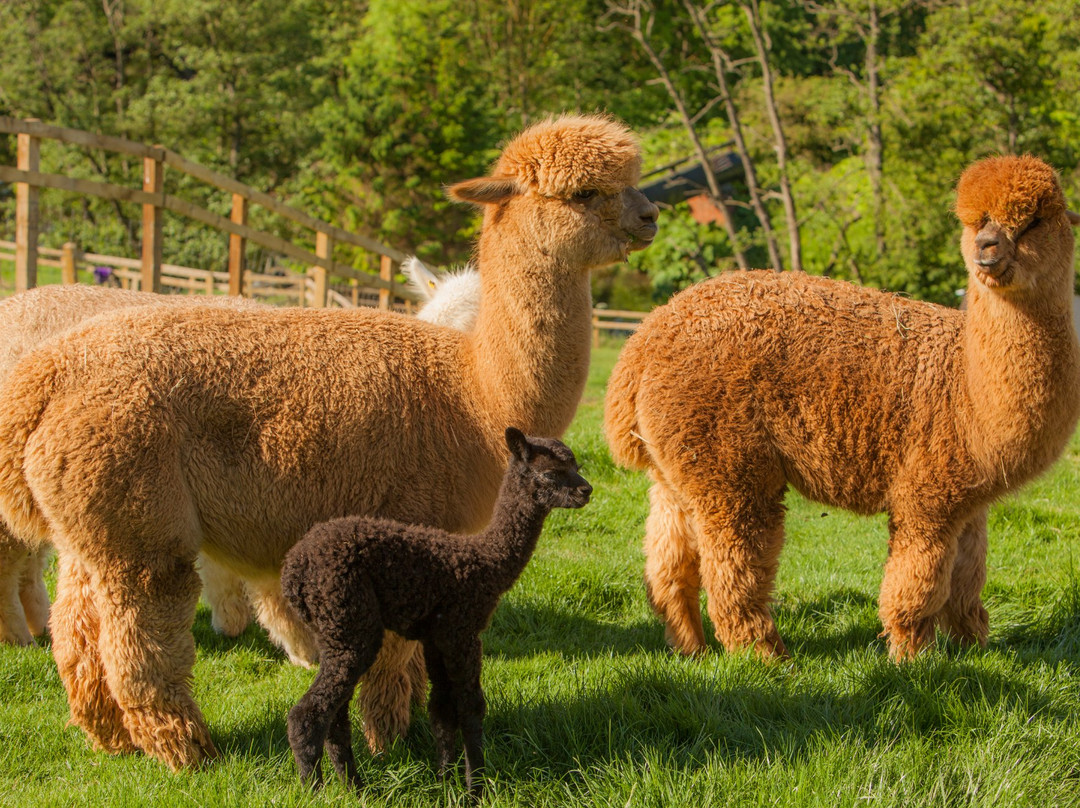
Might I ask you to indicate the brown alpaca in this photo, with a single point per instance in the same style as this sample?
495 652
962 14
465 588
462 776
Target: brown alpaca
149 435
30 318
753 381
26 321
353 578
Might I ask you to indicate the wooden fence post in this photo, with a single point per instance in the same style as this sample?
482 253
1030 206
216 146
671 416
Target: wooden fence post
26 214
386 272
236 246
154 183
324 248
68 256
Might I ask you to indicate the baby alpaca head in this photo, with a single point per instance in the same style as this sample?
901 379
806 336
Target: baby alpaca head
1017 236
548 469
567 185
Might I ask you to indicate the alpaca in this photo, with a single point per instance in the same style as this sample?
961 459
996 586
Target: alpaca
451 299
352 578
28 319
148 435
753 381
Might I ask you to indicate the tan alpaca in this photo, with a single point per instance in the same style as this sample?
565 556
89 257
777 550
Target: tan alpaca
753 381
144 437
26 321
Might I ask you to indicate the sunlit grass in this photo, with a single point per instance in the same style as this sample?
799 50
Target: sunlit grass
586 707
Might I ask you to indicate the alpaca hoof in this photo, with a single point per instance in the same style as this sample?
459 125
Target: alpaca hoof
15 634
968 629
177 741
230 617
905 643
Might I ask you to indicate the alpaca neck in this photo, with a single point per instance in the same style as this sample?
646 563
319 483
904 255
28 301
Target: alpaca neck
510 538
530 345
1022 375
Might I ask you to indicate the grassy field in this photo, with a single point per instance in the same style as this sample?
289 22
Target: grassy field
586 707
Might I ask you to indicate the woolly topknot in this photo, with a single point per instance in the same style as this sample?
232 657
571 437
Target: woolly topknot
1009 190
560 156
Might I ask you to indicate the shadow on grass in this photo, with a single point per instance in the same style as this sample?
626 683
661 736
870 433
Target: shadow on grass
254 638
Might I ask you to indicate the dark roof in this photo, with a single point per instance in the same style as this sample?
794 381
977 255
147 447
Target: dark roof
679 186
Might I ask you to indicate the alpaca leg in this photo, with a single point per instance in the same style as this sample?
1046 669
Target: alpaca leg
442 710
741 534
917 581
964 618
32 592
224 590
146 608
387 692
75 630
14 559
417 674
349 644
339 747
672 578
285 629
465 675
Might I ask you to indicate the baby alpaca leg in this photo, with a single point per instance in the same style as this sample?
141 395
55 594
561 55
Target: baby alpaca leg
146 606
75 629
14 559
386 692
348 646
964 618
339 747
917 581
230 611
740 540
672 578
32 592
286 630
442 710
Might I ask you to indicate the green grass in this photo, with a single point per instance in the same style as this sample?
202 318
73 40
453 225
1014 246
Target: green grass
586 707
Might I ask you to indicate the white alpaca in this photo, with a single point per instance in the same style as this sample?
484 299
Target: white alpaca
451 299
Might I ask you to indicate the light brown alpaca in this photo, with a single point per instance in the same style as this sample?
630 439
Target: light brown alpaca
26 321
753 381
141 439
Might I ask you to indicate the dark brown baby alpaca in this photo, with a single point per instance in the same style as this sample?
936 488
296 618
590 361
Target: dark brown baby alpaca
351 579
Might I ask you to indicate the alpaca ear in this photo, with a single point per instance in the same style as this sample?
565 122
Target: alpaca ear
483 190
518 444
1073 217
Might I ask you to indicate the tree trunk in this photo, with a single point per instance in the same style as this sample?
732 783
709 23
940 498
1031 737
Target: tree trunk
874 145
720 60
753 16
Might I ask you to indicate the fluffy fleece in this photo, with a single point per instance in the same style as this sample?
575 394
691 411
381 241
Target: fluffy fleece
141 439
451 299
26 321
353 578
754 381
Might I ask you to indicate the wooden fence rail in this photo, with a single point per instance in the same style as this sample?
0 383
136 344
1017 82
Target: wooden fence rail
28 179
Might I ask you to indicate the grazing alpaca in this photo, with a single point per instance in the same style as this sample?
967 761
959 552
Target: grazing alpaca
451 299
147 436
353 578
28 319
753 381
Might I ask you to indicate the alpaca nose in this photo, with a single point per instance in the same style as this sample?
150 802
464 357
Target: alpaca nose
984 240
650 214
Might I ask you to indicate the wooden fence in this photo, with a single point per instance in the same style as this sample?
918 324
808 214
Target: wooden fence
29 179
151 273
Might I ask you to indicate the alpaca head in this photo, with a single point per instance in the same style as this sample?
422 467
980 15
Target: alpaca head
566 185
548 469
452 299
1017 238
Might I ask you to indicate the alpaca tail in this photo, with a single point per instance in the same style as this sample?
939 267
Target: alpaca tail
25 395
620 411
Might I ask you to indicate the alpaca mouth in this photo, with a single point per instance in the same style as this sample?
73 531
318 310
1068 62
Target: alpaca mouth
641 239
993 276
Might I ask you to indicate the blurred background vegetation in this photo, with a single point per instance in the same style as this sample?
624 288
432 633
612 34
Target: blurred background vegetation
853 117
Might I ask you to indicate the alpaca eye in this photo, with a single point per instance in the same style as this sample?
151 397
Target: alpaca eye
584 196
